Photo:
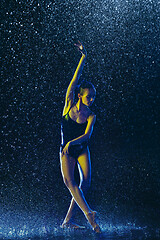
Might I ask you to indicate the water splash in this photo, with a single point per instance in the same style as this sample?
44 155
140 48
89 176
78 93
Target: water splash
23 225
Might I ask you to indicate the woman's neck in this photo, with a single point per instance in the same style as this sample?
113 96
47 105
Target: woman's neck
80 106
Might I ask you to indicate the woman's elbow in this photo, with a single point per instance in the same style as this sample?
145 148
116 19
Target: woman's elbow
87 136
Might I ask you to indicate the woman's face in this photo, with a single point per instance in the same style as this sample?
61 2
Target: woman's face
88 96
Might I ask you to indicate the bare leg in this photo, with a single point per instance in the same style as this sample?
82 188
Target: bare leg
84 166
67 168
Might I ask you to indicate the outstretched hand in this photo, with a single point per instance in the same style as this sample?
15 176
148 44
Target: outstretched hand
81 48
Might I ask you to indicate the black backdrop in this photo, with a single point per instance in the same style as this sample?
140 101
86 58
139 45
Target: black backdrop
38 61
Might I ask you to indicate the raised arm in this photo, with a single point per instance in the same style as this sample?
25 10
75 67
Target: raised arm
69 99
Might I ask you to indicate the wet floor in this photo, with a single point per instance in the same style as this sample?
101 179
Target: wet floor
23 225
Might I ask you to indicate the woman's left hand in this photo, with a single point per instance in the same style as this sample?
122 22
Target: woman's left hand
66 149
81 48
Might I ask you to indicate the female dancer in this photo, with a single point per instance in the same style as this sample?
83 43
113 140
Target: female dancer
77 126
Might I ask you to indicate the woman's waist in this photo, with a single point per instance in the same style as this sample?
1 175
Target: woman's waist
85 143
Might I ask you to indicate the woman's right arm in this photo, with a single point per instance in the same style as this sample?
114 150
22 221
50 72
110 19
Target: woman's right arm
69 99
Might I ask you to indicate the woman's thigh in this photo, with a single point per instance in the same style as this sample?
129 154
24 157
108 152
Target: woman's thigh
67 167
85 165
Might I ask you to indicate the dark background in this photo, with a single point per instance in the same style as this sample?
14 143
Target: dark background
38 61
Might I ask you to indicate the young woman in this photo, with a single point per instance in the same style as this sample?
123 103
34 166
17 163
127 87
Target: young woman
77 126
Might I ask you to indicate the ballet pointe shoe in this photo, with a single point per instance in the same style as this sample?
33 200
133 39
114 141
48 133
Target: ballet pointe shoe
91 219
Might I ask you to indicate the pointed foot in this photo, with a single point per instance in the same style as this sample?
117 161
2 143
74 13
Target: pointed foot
71 225
91 217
